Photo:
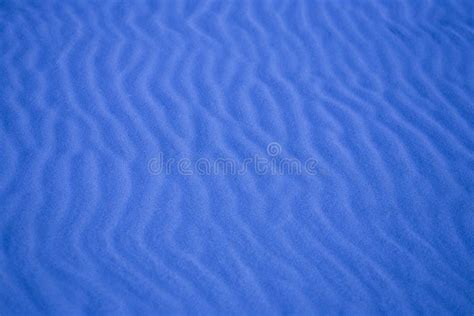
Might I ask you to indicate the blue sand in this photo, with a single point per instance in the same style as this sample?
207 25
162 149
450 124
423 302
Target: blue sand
114 115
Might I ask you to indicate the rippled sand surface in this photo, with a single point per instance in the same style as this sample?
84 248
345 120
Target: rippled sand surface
95 95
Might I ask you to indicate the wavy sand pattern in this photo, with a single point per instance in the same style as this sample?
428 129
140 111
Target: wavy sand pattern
380 93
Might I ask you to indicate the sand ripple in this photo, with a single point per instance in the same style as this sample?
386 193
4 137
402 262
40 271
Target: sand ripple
379 93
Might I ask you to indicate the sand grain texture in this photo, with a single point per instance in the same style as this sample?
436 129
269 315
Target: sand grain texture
380 93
